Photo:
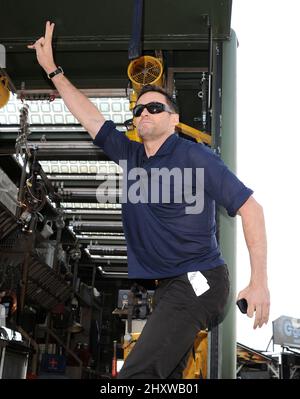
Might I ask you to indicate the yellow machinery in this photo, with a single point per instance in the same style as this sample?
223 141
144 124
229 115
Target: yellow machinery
148 70
199 136
145 70
4 91
197 362
129 344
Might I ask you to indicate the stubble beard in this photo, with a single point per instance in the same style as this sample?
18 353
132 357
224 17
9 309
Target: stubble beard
146 132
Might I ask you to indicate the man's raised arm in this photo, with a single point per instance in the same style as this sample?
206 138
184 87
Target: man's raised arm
78 104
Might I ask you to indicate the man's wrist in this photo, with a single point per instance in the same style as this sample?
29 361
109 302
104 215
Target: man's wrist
55 71
259 281
50 68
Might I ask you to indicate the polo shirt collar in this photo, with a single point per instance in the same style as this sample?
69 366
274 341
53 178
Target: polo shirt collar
166 147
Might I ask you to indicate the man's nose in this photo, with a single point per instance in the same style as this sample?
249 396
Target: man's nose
145 112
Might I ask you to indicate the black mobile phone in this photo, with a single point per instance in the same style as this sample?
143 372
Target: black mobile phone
242 305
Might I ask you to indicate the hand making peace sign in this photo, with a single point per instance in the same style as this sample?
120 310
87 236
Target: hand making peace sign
43 48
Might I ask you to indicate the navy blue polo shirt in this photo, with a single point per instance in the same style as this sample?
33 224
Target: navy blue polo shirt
163 240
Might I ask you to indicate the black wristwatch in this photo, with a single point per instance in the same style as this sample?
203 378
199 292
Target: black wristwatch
56 72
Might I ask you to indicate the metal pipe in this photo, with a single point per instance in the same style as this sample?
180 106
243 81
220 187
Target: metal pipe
113 226
107 250
92 93
2 361
65 150
34 344
227 225
86 194
210 62
87 239
21 188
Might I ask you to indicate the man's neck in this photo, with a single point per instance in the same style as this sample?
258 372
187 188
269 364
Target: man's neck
152 146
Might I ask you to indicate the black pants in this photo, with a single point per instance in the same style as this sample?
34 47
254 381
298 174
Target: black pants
164 345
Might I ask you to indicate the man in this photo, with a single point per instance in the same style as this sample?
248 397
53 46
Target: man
169 240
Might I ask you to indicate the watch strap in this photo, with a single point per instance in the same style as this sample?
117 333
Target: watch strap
56 72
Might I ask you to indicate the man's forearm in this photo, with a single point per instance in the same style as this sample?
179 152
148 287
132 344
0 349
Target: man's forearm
256 240
79 105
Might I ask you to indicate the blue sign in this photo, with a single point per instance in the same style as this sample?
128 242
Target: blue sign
286 331
53 363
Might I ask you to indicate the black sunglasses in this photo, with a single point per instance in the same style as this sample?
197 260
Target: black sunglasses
152 108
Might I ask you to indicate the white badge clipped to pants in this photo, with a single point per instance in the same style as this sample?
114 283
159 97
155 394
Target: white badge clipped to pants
198 282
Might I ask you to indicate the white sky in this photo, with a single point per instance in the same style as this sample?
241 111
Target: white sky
268 66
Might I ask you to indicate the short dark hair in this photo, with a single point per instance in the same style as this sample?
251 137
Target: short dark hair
170 101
